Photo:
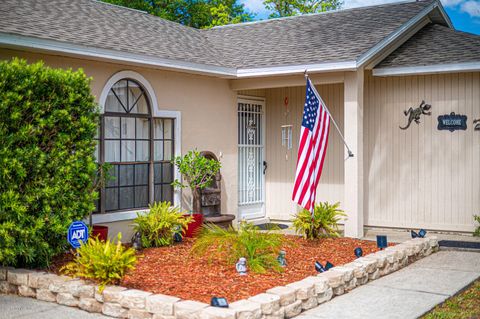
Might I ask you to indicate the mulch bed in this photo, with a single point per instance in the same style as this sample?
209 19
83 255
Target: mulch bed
174 271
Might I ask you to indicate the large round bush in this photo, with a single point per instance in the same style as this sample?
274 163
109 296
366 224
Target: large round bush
48 120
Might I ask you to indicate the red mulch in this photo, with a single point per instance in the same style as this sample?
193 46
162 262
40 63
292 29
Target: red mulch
173 271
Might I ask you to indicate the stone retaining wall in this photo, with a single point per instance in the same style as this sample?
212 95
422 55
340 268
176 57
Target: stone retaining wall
279 302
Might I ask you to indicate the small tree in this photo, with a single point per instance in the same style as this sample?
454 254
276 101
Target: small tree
48 120
198 172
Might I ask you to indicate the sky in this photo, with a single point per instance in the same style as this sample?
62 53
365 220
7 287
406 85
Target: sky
465 14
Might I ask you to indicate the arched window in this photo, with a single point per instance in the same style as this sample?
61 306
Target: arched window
138 147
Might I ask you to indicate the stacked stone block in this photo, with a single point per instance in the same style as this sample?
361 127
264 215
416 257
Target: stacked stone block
276 303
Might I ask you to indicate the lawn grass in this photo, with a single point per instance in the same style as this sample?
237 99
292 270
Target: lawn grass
464 305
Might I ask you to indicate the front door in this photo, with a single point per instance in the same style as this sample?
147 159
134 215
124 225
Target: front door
251 170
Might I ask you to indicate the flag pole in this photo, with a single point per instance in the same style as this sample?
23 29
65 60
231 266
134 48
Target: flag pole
350 153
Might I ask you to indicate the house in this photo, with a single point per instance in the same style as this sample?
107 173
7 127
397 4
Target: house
238 91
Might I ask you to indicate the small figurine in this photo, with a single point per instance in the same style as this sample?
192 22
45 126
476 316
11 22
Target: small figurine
281 258
177 236
241 266
137 241
358 252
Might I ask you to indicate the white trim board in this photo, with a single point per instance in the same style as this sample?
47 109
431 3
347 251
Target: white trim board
428 69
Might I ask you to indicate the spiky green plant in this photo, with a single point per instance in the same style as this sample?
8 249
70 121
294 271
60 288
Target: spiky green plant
158 226
477 230
323 224
102 261
260 248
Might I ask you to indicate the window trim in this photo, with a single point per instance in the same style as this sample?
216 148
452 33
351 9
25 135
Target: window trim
130 214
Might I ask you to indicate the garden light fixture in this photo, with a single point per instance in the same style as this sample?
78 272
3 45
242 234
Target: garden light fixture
358 252
220 302
382 241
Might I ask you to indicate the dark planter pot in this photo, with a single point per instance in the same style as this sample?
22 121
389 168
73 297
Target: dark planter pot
100 231
194 226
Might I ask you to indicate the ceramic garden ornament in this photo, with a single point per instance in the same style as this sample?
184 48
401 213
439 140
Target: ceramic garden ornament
281 258
241 266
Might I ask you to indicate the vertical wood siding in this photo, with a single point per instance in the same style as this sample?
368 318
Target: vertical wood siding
421 177
282 162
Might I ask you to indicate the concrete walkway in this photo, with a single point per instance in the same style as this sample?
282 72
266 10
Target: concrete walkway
407 293
13 307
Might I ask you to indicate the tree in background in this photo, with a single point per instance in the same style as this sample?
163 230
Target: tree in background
286 8
194 13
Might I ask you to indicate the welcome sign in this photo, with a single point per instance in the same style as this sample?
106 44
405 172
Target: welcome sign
452 122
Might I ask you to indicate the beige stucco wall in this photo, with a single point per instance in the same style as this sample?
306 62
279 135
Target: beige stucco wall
282 162
421 177
207 106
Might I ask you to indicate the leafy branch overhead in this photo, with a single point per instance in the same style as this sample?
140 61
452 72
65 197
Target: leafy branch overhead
204 14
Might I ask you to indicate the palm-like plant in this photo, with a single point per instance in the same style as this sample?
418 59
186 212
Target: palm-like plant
158 226
324 222
260 248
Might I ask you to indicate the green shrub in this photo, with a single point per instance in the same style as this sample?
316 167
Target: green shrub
198 172
48 120
477 230
324 223
158 226
260 248
101 261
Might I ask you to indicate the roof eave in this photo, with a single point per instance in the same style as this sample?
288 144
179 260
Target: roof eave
74 50
428 69
297 69
373 52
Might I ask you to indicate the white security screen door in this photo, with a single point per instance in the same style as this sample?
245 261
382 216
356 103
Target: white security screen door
251 171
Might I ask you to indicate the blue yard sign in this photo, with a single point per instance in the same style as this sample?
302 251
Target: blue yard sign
77 232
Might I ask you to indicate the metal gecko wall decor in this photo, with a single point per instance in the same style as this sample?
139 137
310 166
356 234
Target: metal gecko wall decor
414 114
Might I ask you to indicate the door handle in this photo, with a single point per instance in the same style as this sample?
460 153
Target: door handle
265 166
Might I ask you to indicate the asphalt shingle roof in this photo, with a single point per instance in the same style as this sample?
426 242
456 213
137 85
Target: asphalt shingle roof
435 44
327 37
101 25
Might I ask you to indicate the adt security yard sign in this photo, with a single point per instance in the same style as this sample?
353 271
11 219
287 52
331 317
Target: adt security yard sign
77 232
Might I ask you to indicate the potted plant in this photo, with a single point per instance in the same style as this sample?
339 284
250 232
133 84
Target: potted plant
198 172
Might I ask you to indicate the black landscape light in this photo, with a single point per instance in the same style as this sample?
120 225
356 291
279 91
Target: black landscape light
422 233
319 267
219 302
382 241
414 234
329 265
358 252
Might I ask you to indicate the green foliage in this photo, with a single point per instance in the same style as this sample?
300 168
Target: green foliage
158 226
104 262
198 170
286 8
324 222
259 247
477 230
48 120
194 13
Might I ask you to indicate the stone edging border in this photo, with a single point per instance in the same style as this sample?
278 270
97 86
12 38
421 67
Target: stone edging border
276 303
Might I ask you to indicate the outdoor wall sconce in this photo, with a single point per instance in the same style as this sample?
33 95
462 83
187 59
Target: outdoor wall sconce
421 233
358 252
219 302
382 241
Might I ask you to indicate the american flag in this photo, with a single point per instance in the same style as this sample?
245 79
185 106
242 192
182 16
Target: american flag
312 148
